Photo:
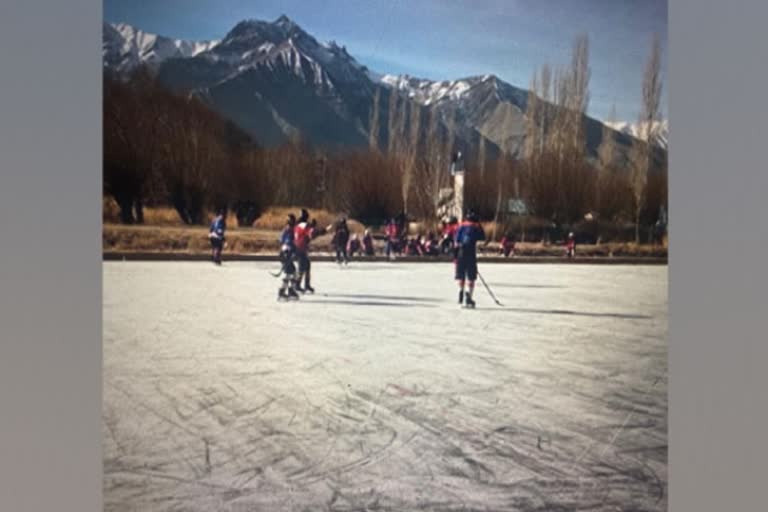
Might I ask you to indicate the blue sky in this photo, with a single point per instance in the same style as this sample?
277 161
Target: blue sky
447 39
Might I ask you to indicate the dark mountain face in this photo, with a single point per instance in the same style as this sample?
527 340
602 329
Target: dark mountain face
277 82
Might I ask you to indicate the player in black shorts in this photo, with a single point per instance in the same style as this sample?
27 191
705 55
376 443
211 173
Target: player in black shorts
465 249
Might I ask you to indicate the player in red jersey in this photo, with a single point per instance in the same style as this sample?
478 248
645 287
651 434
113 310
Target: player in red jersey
302 234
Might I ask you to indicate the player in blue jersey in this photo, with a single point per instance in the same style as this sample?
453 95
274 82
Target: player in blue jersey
216 236
287 254
467 235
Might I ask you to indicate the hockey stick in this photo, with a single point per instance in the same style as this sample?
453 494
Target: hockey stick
282 269
489 289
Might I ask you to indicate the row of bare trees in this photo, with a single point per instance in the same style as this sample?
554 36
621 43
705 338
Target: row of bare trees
162 148
563 182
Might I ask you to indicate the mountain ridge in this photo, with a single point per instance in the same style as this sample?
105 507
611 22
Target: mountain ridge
276 81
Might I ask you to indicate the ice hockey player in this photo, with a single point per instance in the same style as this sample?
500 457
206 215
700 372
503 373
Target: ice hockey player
570 246
468 234
287 290
340 239
314 232
368 243
302 235
216 236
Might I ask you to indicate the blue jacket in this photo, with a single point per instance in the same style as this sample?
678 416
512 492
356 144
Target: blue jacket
218 226
286 237
467 236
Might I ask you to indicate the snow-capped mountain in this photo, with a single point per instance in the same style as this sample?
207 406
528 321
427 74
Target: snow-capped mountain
633 129
253 43
277 81
124 47
427 92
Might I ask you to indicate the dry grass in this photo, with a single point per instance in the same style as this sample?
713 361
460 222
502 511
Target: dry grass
156 216
274 218
183 239
110 211
163 231
583 250
121 238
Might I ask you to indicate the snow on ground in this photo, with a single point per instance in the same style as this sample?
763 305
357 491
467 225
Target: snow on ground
378 392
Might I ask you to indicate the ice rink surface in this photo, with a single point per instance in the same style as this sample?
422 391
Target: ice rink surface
380 393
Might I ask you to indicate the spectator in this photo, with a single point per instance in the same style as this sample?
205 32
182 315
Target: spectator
368 243
354 246
570 246
449 232
393 239
508 245
430 245
339 241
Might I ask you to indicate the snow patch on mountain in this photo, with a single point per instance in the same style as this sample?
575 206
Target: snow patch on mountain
125 47
427 92
634 129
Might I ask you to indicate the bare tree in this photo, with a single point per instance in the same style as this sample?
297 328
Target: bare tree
560 181
641 153
481 158
606 155
410 151
373 131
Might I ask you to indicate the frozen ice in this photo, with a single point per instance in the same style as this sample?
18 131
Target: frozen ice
379 392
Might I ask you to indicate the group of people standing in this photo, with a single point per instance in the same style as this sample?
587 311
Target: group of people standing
294 256
398 243
458 239
348 246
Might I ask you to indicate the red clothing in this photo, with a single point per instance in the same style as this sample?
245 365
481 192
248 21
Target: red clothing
301 235
450 230
392 231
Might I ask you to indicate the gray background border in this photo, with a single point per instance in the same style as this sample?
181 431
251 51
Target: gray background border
50 268
50 255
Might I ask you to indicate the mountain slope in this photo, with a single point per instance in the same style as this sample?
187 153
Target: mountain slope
125 47
278 82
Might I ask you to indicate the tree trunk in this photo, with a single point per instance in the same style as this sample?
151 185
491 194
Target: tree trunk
496 215
125 203
139 207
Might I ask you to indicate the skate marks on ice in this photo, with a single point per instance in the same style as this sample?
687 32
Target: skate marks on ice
210 407
367 303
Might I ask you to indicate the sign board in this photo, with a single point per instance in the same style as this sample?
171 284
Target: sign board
517 207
